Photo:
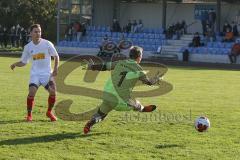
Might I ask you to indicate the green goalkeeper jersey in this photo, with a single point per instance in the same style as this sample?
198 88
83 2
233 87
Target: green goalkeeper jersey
123 79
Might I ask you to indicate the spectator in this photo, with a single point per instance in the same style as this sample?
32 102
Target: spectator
84 26
69 32
78 29
204 19
29 38
23 37
1 36
234 29
170 31
225 27
139 26
238 28
196 41
210 34
184 27
235 51
134 26
17 35
212 19
5 37
178 30
129 26
12 36
229 37
116 26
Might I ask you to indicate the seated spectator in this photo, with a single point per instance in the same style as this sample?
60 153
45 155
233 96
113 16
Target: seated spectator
229 37
196 41
235 51
116 26
225 27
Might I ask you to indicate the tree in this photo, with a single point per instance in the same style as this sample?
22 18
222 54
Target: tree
27 12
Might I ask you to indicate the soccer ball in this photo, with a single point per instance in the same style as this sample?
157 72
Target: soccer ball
202 124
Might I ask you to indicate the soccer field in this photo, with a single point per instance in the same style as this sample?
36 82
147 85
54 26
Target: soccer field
168 133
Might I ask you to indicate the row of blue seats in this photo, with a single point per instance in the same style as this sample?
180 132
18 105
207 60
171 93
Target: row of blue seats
136 40
220 44
129 35
206 50
98 28
216 39
146 47
107 29
78 44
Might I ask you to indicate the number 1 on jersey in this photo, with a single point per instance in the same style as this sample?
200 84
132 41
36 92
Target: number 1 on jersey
123 74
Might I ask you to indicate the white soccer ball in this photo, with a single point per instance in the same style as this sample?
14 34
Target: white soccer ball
202 124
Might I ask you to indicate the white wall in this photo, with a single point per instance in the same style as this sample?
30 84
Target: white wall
103 12
151 14
179 12
229 12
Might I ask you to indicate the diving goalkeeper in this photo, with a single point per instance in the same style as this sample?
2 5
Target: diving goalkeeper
124 76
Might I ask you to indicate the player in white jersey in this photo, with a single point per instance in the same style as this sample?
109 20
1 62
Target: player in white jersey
40 51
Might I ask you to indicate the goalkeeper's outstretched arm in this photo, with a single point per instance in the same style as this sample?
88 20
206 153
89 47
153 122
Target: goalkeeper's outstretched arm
151 81
102 66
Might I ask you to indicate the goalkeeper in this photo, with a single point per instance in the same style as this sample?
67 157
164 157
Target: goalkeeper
119 87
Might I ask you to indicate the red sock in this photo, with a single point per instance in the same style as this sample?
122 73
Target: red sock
51 102
30 104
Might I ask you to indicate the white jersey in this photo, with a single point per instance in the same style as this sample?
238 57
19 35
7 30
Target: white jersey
40 55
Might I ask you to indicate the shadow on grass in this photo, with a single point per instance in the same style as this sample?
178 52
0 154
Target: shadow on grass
12 121
22 121
48 138
163 146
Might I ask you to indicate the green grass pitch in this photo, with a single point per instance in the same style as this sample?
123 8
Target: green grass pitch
169 135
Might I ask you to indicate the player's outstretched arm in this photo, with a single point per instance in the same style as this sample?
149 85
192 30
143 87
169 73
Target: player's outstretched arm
101 66
151 81
17 64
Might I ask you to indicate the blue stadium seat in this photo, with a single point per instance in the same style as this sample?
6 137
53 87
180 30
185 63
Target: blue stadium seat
226 51
219 38
146 30
163 36
130 35
152 41
190 49
141 41
183 49
157 36
229 44
88 28
210 44
151 36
